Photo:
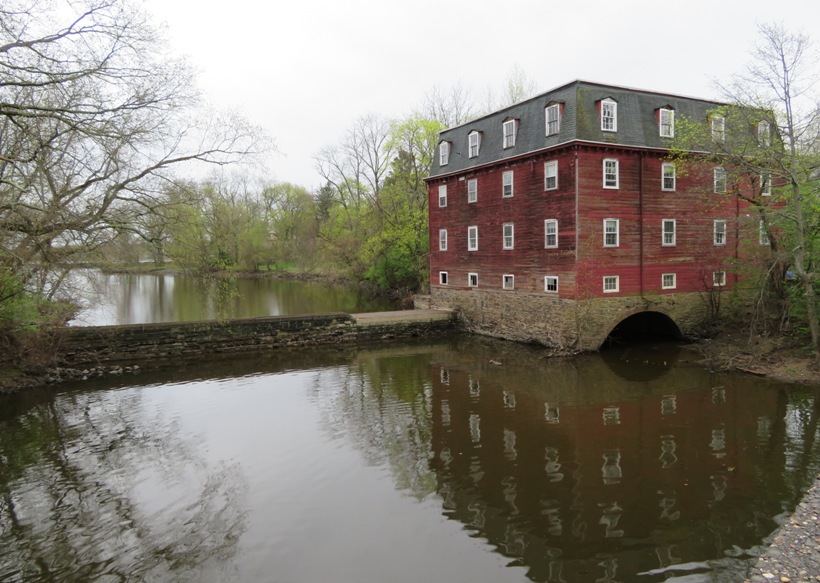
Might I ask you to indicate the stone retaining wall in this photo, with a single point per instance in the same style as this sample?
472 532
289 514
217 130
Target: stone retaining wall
569 325
132 343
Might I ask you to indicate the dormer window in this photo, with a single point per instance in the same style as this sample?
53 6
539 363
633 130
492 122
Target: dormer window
666 122
474 143
718 128
444 153
553 119
609 115
509 133
763 134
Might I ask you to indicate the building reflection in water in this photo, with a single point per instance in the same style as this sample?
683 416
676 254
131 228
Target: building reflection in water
581 475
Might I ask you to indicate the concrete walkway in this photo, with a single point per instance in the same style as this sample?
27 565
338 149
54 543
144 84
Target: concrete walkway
402 316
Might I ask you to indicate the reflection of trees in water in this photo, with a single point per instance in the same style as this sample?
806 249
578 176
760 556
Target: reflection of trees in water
383 406
97 486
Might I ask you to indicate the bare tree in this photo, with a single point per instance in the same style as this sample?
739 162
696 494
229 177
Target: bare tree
94 115
448 108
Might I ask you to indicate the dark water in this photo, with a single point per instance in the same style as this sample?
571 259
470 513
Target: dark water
128 298
460 460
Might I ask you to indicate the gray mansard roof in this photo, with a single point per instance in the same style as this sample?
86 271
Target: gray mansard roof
637 123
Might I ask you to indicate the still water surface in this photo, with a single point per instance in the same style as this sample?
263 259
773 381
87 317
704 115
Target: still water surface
143 298
404 463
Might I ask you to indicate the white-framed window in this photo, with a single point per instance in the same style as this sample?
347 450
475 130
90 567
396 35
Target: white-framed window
509 133
668 179
444 153
551 284
474 144
669 281
551 175
472 238
472 190
551 234
718 278
507 184
766 184
718 128
720 232
443 278
509 236
611 232
763 238
442 195
610 173
553 117
508 281
720 180
611 284
764 135
442 239
668 232
667 122
609 115
472 280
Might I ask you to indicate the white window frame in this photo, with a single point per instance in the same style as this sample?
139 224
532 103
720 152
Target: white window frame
668 172
616 232
720 180
550 232
508 131
442 239
508 281
472 190
552 116
551 172
443 278
472 280
668 237
719 128
765 184
609 115
719 235
763 236
669 281
444 153
764 134
507 178
666 126
472 238
551 281
473 144
611 284
508 236
615 166
719 278
442 195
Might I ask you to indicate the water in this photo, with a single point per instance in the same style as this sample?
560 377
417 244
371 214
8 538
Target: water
464 459
140 298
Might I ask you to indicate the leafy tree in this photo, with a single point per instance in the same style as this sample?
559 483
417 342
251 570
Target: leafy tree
292 212
766 137
398 250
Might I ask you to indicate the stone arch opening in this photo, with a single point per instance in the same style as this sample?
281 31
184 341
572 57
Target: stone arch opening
643 327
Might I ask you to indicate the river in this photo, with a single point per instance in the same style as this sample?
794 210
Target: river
462 459
144 298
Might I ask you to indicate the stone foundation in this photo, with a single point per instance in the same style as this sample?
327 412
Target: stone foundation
562 324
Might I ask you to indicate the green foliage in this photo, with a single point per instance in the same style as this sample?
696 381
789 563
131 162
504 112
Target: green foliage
380 233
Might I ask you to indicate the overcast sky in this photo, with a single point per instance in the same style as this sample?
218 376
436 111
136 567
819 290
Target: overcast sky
305 70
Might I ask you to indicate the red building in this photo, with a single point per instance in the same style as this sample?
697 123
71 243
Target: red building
573 195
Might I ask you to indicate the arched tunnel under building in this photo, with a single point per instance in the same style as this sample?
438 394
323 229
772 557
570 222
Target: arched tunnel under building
643 327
